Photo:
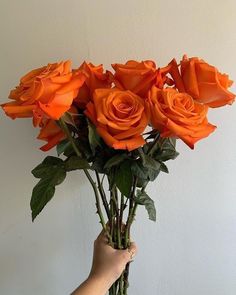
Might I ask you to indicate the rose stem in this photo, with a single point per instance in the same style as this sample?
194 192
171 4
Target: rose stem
99 211
132 209
103 195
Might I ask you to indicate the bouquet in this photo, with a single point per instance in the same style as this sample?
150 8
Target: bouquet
119 127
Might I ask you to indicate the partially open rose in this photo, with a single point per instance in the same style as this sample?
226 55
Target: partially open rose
119 117
51 133
135 76
47 92
177 114
95 78
203 82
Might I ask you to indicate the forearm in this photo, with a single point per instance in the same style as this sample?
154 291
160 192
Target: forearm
92 286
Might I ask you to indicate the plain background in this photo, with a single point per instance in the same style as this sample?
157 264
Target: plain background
191 249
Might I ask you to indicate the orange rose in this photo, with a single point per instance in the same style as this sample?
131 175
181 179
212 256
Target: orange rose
176 114
96 78
203 82
119 117
51 133
137 77
46 92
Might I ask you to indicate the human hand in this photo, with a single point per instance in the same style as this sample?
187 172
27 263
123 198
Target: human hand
109 263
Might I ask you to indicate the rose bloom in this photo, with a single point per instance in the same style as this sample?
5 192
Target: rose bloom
119 116
46 92
135 76
95 78
203 82
51 133
176 114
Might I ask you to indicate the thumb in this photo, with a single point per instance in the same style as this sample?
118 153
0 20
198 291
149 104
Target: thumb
129 253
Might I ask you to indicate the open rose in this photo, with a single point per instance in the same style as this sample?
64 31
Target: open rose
45 92
203 82
135 76
119 117
177 114
95 78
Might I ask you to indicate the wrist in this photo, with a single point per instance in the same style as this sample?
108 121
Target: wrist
102 283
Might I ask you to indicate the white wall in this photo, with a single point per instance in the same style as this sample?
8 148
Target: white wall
191 248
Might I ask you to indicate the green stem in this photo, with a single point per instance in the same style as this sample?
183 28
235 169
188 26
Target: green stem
132 206
103 195
132 210
122 207
112 221
99 211
118 223
121 285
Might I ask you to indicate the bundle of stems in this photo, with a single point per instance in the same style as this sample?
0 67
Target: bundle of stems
116 228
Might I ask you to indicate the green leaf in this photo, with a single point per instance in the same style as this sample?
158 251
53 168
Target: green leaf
164 168
172 140
166 155
48 167
62 146
166 151
98 164
142 182
44 191
150 162
69 150
74 163
116 160
123 178
84 148
149 172
152 174
143 199
42 194
139 170
94 138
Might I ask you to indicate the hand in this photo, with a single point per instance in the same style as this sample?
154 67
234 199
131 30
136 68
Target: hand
109 263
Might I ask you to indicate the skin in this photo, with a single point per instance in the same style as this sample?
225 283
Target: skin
108 264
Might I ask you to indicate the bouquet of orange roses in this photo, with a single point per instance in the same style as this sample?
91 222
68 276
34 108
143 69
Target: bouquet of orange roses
118 127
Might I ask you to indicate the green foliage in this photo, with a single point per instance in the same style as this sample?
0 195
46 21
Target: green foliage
41 195
115 160
51 172
121 167
74 163
164 168
123 178
143 199
145 171
63 146
150 163
93 137
48 167
151 160
165 150
98 164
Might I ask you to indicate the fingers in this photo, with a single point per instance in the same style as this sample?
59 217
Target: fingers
132 250
129 253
